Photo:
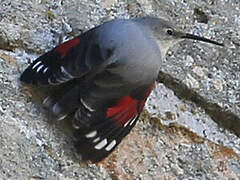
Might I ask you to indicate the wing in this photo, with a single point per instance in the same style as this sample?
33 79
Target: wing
72 59
100 131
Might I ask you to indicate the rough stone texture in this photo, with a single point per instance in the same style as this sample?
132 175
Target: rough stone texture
177 137
206 74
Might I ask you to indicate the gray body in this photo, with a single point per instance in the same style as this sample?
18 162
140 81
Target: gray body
136 51
126 68
121 57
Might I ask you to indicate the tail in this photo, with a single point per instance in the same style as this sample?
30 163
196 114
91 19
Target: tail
63 102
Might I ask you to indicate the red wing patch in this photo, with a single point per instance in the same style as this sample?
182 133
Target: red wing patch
64 48
128 108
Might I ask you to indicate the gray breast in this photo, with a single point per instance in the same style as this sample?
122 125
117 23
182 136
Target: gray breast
136 56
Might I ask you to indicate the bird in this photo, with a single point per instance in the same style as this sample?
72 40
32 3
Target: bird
108 72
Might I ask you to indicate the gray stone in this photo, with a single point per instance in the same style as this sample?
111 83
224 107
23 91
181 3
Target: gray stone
178 137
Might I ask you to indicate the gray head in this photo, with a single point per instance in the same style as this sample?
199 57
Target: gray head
167 34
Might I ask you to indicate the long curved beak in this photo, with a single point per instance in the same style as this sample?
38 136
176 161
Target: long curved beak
191 36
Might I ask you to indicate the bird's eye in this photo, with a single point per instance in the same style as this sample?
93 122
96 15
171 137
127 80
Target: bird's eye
170 32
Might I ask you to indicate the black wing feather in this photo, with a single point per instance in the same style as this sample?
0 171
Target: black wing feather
73 59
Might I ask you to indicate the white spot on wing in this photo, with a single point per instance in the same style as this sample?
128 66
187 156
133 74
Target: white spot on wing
39 68
50 82
111 145
74 123
133 120
45 70
57 110
96 139
61 79
64 71
77 115
39 62
127 123
45 101
101 144
62 117
86 106
75 126
91 134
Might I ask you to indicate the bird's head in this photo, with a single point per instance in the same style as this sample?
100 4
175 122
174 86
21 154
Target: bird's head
167 34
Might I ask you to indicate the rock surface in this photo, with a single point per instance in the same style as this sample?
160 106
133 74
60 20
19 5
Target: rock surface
194 135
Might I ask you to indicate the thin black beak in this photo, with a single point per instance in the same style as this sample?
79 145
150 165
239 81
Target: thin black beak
191 36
